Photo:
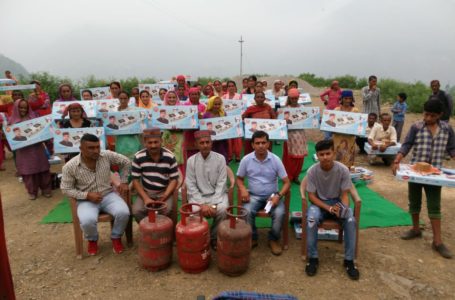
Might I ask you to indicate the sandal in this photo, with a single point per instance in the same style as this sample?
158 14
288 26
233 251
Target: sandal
411 234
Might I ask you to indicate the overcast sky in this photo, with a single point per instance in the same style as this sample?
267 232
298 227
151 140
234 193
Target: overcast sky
403 39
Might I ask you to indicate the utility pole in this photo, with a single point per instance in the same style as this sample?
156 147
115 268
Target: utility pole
241 41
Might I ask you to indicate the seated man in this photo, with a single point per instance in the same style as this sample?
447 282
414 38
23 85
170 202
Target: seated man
381 137
155 174
360 140
206 181
262 168
87 178
328 185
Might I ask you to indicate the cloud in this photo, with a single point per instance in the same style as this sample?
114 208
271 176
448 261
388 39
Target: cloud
405 39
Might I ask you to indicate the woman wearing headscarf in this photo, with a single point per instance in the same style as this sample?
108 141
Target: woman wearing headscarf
65 93
189 143
77 118
181 81
114 88
173 138
331 96
295 148
31 161
208 91
345 143
235 145
39 100
145 100
127 144
260 110
215 110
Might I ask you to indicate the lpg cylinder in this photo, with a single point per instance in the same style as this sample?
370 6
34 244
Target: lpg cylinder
193 239
234 242
155 239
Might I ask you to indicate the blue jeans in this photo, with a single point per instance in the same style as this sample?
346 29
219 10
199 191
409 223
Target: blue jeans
315 216
112 204
256 204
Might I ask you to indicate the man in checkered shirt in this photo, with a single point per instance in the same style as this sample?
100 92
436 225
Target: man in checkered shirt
431 140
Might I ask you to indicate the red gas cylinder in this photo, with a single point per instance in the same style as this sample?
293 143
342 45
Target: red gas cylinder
155 239
234 242
193 239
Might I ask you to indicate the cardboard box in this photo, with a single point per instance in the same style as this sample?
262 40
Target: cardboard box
329 235
405 173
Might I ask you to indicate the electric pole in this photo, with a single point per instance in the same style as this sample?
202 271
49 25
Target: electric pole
241 41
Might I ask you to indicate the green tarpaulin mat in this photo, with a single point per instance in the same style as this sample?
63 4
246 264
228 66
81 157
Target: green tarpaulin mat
376 211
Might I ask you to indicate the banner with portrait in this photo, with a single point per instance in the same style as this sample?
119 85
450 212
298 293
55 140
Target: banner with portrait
68 140
124 122
276 129
223 128
300 117
344 122
234 107
154 88
174 117
304 98
29 132
59 107
98 93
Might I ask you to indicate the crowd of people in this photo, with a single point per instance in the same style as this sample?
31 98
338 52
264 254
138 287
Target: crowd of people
153 162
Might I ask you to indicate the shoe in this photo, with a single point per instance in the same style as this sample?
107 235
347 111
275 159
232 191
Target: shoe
117 246
296 181
237 160
411 234
442 250
92 248
47 195
20 179
254 243
311 267
351 269
31 197
275 246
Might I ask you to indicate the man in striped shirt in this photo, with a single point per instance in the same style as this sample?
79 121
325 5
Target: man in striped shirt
155 174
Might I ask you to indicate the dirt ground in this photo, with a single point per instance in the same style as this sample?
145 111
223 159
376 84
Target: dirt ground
44 265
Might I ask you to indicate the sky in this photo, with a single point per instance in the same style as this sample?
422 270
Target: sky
408 40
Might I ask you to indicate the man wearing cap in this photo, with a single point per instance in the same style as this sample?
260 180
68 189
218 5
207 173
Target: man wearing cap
155 174
206 181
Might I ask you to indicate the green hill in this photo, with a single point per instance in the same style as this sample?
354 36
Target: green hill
9 64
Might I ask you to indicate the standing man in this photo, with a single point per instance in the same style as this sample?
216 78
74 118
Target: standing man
431 140
371 97
444 98
206 181
328 185
87 178
155 174
262 168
